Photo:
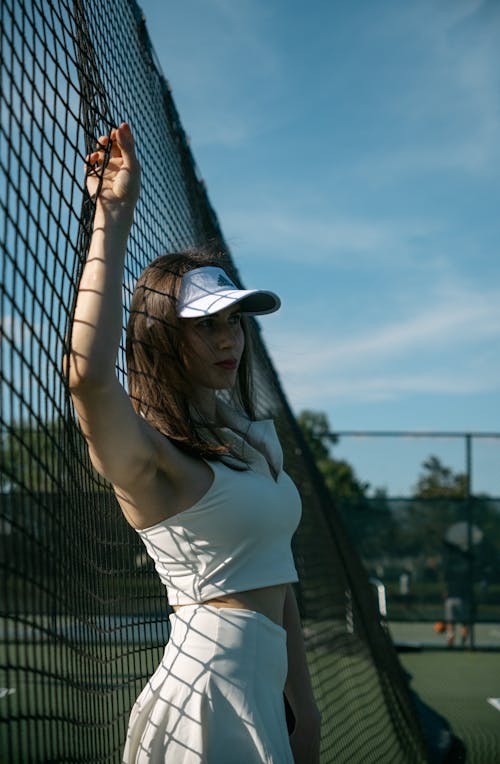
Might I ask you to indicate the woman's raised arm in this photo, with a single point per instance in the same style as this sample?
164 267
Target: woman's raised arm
121 445
97 322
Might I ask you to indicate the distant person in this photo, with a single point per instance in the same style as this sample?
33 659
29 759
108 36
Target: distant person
457 593
404 584
203 485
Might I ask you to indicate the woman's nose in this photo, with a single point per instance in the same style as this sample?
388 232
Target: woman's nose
226 338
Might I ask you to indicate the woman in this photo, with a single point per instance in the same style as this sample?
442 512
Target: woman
203 486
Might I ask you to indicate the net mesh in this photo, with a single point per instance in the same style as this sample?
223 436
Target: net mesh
83 616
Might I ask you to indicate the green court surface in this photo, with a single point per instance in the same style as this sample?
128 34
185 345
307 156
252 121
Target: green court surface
47 714
422 633
457 684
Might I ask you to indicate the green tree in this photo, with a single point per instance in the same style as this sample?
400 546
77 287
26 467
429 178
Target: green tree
438 501
42 457
439 481
339 475
369 522
28 457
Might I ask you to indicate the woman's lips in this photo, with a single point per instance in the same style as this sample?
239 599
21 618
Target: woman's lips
230 364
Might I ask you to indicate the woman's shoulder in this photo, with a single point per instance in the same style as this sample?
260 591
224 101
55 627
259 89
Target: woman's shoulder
178 481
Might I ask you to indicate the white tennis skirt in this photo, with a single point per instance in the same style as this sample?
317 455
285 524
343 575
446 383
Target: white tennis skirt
217 696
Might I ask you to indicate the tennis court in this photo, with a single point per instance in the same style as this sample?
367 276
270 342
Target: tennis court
457 684
50 718
421 634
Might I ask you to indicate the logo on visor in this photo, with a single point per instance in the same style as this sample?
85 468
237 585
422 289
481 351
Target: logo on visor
224 281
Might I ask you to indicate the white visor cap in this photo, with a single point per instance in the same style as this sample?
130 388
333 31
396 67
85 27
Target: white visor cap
209 289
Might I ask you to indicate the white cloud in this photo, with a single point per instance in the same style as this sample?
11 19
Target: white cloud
320 238
396 384
225 72
17 331
384 388
451 93
443 347
436 328
473 154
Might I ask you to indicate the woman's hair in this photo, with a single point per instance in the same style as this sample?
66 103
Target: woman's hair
159 386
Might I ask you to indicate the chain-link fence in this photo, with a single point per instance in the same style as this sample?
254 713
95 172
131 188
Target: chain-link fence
428 548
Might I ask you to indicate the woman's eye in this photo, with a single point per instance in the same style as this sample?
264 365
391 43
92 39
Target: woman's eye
235 318
205 323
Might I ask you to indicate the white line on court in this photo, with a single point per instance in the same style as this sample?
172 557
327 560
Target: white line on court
495 702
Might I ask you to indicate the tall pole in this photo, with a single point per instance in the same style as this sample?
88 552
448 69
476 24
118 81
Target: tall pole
470 548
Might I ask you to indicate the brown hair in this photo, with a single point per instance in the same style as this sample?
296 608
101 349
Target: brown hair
159 386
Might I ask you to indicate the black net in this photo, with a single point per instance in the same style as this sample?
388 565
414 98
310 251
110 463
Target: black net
84 618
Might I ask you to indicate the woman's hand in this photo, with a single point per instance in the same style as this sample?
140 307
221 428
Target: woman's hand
121 176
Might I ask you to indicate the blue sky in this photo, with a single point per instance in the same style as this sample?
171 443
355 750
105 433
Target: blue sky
351 151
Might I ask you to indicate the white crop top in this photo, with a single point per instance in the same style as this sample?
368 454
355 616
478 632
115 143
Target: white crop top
237 536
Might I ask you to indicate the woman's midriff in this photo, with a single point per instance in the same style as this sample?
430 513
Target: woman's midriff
268 601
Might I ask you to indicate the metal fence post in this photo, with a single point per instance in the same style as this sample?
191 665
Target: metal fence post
470 546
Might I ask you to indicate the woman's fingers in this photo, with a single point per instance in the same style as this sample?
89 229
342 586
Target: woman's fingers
122 144
93 157
124 141
102 143
114 157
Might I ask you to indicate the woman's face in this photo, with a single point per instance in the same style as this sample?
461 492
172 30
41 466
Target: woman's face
212 347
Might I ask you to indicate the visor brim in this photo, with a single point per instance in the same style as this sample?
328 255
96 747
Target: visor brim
254 302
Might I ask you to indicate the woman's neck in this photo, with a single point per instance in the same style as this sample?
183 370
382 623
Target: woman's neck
205 404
